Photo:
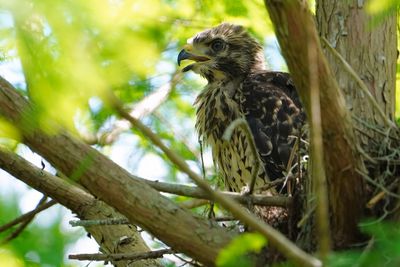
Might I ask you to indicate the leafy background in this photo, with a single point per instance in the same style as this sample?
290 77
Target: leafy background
66 55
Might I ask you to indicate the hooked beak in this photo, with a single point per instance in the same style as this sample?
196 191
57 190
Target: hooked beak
184 54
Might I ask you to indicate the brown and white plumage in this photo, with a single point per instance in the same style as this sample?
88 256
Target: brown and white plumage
239 86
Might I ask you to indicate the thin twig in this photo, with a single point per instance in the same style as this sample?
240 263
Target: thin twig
275 238
143 108
26 219
241 122
224 219
378 185
375 199
122 256
196 192
27 215
111 221
123 221
360 83
374 128
365 155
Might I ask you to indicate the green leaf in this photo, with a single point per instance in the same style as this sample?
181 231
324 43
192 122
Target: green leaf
235 8
380 6
235 254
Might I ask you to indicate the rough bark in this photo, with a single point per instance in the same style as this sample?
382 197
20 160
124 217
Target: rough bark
371 50
140 203
295 29
111 239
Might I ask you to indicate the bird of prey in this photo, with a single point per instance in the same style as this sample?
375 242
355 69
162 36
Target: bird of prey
239 86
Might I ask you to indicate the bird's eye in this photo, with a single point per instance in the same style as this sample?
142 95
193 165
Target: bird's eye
217 45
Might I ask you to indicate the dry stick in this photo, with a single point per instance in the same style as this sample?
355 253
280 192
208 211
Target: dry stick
227 137
317 154
27 215
224 219
378 185
275 238
122 256
111 221
360 83
119 221
372 127
375 199
191 191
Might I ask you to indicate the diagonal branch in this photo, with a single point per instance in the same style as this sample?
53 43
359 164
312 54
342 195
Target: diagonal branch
79 201
122 256
140 203
26 219
275 238
291 20
317 154
141 109
28 215
196 192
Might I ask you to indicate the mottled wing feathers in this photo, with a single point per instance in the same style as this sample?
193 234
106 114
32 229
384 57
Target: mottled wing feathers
273 110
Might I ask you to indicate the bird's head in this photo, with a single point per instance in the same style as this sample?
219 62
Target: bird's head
224 52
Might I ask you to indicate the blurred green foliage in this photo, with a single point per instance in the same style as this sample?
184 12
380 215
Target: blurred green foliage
74 50
382 7
237 252
73 53
37 245
383 248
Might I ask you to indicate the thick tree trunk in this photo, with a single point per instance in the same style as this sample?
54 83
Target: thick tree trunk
296 31
371 50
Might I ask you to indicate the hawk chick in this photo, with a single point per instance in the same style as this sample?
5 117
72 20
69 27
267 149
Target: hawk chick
239 86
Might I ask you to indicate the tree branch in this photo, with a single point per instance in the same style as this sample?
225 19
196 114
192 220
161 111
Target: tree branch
317 154
345 186
141 109
111 221
275 238
140 203
26 219
121 256
77 200
196 192
28 215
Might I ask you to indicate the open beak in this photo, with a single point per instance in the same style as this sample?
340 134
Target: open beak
184 54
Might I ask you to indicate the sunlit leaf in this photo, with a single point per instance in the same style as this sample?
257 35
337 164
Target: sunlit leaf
235 253
379 6
7 258
9 134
